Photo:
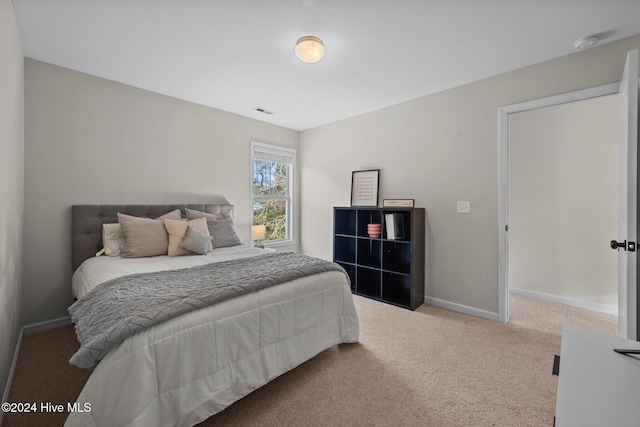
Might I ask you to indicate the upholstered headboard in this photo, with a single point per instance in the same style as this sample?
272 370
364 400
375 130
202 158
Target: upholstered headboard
87 220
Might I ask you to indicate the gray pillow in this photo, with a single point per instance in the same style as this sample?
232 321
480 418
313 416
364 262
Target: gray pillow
145 236
220 227
196 241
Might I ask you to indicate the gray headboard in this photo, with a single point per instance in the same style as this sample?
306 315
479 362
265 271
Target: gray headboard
87 220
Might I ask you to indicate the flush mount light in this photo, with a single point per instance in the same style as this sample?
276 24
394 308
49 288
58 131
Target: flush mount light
585 42
309 49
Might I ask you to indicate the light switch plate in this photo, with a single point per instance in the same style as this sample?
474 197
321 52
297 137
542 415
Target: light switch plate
464 207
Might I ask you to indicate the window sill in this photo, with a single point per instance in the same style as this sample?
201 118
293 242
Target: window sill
278 243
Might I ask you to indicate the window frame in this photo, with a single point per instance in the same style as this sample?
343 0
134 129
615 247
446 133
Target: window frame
258 149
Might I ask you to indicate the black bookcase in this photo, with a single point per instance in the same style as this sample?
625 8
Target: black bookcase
387 270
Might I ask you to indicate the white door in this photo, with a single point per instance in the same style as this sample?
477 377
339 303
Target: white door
628 201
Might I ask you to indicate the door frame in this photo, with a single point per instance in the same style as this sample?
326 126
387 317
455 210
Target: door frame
503 176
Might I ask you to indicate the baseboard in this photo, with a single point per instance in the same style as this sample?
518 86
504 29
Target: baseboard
462 308
567 301
26 330
46 325
5 394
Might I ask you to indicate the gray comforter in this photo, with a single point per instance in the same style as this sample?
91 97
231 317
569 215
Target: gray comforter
124 306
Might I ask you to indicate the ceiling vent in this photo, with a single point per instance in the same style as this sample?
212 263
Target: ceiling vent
264 111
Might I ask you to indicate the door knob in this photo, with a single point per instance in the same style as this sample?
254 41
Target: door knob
630 246
617 245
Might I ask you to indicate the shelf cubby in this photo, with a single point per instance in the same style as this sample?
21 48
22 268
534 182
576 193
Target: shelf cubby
396 288
397 256
368 282
369 253
366 217
344 223
351 272
344 249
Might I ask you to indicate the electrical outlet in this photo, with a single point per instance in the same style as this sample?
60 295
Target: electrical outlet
464 207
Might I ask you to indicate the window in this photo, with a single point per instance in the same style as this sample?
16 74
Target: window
272 190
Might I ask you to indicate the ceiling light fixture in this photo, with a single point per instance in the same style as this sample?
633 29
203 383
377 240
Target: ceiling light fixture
309 49
585 42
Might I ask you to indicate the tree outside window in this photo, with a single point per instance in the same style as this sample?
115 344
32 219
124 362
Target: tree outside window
272 174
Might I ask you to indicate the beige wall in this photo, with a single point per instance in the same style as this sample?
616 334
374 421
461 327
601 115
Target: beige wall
439 149
91 140
11 185
563 200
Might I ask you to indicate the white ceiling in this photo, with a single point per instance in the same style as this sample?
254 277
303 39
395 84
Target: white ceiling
235 55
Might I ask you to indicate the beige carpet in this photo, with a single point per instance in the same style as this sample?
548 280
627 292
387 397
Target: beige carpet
549 317
431 367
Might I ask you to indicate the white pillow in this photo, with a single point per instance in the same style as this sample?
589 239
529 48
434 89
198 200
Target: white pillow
112 239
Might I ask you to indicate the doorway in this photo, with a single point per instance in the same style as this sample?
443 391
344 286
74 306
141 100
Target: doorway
504 219
563 210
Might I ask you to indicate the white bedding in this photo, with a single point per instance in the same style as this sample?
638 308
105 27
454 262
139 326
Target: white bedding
187 369
98 270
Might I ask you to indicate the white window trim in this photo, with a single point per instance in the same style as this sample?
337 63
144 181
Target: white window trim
285 154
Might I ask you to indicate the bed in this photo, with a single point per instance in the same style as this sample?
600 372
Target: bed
182 371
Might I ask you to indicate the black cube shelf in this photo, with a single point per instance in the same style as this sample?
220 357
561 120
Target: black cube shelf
388 270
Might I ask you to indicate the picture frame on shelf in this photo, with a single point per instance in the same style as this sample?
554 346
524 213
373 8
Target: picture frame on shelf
398 203
394 225
364 187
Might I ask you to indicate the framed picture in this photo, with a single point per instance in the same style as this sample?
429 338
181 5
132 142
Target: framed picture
398 203
364 187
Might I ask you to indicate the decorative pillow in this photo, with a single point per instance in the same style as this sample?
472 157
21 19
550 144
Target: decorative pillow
145 236
112 239
177 230
220 227
196 241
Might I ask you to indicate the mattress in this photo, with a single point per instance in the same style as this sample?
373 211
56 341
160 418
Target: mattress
191 367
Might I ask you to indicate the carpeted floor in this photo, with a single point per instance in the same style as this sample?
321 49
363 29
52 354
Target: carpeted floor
430 367
549 317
